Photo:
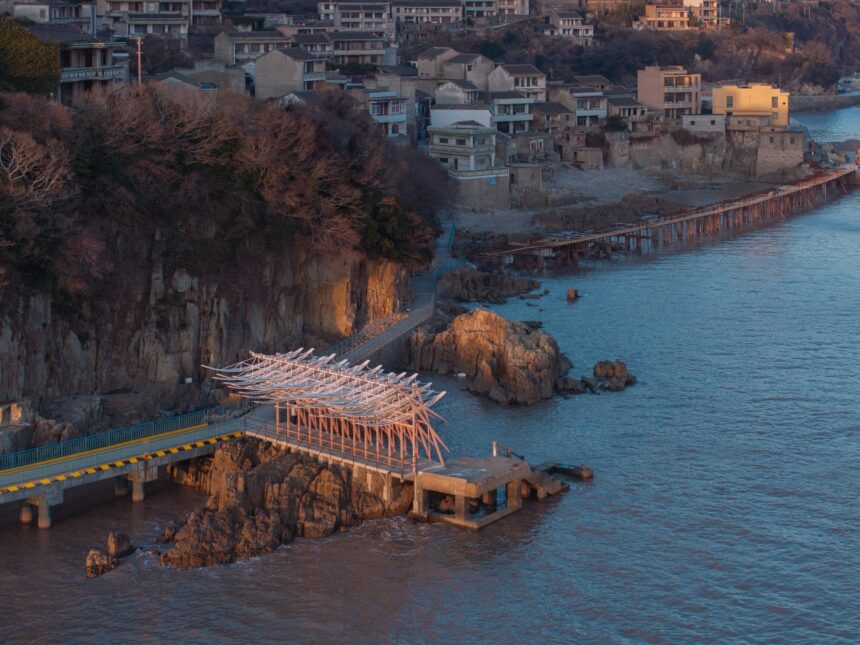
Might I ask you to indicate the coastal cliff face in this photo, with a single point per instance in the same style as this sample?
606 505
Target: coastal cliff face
127 357
262 496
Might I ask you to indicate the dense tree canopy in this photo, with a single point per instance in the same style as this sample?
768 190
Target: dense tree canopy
26 63
216 178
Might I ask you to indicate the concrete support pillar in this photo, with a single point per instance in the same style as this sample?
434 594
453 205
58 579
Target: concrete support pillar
387 490
26 513
421 502
461 507
490 500
369 480
525 489
44 515
120 487
513 490
137 492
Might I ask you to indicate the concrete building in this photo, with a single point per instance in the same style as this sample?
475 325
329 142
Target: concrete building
761 100
389 111
318 45
429 62
627 108
779 150
511 112
569 24
232 47
707 13
528 80
57 12
422 12
371 17
87 65
512 7
552 117
480 8
442 116
467 149
671 91
704 123
361 48
468 67
282 71
164 18
457 93
664 17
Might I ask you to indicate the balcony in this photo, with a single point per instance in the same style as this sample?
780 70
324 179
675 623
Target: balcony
109 73
507 118
389 118
453 149
472 174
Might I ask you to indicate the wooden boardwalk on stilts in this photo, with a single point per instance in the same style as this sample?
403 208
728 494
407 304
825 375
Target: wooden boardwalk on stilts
700 223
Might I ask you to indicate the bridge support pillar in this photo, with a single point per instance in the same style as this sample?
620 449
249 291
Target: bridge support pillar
490 500
513 490
120 487
44 516
387 490
421 502
147 473
138 494
461 507
26 515
52 496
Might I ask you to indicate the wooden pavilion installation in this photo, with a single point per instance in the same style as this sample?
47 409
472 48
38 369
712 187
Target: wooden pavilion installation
353 409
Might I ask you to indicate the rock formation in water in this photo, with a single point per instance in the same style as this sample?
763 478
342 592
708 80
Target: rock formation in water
262 496
469 285
99 563
511 362
607 377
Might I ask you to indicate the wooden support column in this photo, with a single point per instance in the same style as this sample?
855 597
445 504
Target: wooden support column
512 489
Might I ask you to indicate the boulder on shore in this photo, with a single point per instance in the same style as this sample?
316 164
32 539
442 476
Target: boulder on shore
511 362
99 563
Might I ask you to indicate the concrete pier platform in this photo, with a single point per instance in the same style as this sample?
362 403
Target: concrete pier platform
470 479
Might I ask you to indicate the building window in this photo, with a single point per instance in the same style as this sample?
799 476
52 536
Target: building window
774 101
791 140
730 101
461 142
443 139
713 122
771 139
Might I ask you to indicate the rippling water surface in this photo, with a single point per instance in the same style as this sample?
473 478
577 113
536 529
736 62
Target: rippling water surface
724 504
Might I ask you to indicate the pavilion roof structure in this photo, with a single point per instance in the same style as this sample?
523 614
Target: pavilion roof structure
362 395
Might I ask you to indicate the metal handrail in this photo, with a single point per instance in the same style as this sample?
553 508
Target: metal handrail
101 440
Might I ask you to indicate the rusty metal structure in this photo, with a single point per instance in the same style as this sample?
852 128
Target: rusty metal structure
356 410
723 218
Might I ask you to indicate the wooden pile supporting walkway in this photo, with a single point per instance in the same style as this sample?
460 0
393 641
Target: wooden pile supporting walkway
713 220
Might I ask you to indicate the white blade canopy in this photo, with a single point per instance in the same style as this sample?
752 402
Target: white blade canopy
365 396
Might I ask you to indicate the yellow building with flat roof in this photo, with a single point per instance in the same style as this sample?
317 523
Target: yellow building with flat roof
754 100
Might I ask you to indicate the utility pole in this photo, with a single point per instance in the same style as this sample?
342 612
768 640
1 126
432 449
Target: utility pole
139 60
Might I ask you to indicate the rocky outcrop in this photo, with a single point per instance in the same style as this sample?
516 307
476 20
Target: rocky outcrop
99 563
469 285
137 353
119 545
511 362
262 497
608 377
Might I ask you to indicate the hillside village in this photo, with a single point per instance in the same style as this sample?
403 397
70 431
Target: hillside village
504 131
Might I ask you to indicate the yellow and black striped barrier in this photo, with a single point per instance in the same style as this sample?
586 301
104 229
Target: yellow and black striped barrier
122 462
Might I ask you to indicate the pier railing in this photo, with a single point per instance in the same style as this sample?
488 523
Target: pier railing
102 440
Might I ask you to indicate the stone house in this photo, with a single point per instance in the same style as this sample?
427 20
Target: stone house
282 71
525 79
